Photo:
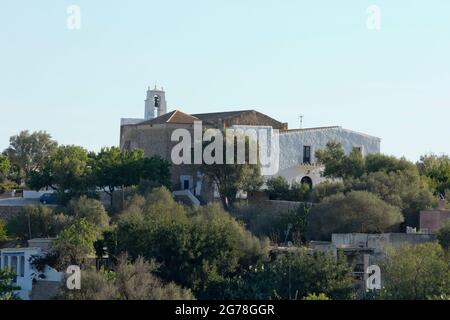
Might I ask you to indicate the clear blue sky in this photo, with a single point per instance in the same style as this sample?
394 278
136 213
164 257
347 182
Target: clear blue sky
283 58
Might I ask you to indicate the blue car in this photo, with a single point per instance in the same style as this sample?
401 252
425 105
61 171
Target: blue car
47 198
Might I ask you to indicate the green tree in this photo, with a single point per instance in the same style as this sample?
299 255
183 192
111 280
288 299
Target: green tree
194 247
417 272
5 166
357 211
76 242
280 226
405 189
332 157
38 180
6 288
90 209
96 285
3 235
354 165
234 177
155 171
292 276
39 221
28 152
326 189
114 168
313 296
137 281
377 162
437 169
443 235
277 188
68 170
127 281
299 192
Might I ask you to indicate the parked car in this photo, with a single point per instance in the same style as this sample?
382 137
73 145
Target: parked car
47 198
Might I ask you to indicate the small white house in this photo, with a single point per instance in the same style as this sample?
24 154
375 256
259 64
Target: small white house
18 260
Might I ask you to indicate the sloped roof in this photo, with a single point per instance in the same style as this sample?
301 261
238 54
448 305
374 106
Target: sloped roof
175 116
242 117
248 117
215 116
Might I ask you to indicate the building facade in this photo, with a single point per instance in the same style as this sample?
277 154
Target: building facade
27 278
296 160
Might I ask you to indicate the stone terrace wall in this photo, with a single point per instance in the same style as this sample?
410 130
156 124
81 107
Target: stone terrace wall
279 206
7 212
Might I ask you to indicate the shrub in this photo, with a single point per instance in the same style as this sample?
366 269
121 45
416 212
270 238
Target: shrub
40 220
90 209
3 236
76 243
127 281
326 189
193 246
358 211
293 276
443 235
277 188
415 272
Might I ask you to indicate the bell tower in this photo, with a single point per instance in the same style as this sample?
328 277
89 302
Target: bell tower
155 104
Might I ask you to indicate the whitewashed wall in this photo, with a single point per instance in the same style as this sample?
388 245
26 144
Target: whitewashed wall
292 142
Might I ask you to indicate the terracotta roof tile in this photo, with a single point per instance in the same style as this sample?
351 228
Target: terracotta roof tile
175 116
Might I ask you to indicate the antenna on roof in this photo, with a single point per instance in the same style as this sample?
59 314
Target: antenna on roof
301 121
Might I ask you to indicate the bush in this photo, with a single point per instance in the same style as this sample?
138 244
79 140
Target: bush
279 189
193 246
274 225
8 186
358 211
3 236
42 221
6 287
326 189
91 209
443 235
76 243
295 276
415 272
127 281
403 189
313 296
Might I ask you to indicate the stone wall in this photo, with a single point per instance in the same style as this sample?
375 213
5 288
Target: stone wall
279 206
432 220
264 208
7 212
378 242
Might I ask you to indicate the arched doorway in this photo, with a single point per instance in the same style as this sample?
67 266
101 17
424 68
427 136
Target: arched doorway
307 180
